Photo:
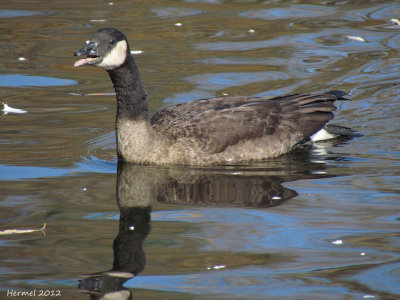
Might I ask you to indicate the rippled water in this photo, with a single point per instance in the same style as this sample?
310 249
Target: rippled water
319 223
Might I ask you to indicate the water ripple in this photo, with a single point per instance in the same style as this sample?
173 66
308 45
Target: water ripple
7 13
291 12
208 84
168 12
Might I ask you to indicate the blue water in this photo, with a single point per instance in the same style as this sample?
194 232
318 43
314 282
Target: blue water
21 80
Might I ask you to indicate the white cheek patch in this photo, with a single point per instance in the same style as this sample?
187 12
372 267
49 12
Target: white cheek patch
116 57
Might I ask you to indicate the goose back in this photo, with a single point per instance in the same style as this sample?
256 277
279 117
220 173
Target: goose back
276 124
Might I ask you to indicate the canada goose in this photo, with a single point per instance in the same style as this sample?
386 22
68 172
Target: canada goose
206 131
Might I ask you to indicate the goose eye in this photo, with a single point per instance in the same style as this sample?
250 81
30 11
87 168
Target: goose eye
112 42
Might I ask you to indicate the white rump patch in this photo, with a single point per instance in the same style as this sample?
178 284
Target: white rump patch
322 135
116 57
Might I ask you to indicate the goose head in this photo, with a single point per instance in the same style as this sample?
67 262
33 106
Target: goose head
108 48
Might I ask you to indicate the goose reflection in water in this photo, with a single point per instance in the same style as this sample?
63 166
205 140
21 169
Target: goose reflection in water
139 186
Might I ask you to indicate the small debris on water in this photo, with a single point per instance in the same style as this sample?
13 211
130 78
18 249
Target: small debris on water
318 172
19 231
178 24
224 94
219 267
337 242
84 189
98 20
395 21
8 109
216 267
356 38
91 94
362 253
132 228
368 296
136 52
110 3
251 31
21 58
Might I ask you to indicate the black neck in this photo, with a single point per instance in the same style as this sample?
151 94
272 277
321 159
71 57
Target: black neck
131 96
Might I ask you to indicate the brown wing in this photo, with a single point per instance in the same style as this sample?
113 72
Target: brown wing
217 123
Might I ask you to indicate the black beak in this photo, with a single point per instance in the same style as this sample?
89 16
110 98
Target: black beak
90 50
92 55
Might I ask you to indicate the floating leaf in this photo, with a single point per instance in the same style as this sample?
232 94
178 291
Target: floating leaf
20 231
337 242
356 38
92 94
8 109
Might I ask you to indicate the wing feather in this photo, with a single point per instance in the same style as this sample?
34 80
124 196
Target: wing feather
216 123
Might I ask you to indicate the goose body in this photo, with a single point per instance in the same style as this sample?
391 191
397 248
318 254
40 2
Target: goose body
206 131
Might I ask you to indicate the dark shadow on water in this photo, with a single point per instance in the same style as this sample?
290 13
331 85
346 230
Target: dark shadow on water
258 185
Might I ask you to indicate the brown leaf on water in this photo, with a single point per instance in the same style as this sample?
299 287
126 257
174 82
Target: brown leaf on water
91 94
